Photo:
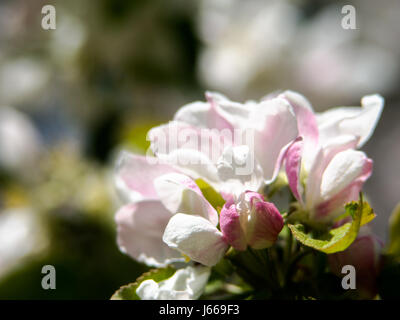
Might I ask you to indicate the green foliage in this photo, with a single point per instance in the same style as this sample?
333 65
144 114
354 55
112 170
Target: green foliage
210 194
394 232
340 238
368 213
128 292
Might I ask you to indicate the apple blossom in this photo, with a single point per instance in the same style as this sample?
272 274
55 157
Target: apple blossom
148 218
166 218
233 146
325 155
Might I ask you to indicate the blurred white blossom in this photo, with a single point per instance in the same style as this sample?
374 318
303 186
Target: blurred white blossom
22 79
20 143
21 235
256 46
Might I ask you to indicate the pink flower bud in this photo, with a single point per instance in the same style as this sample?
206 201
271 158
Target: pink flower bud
250 221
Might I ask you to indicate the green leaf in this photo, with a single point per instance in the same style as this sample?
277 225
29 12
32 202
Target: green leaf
367 216
336 239
210 194
394 231
128 292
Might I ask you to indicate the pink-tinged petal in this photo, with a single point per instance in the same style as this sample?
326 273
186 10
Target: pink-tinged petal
231 227
140 228
134 176
204 115
293 168
176 135
360 121
215 119
180 194
264 225
365 255
306 120
275 129
195 237
344 168
251 221
217 113
252 197
236 113
195 151
352 175
322 159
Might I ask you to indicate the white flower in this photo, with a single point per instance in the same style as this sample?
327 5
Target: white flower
185 284
232 146
325 154
158 196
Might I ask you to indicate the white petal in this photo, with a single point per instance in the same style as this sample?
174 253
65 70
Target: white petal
140 228
148 290
275 129
234 112
307 125
195 164
358 121
321 161
180 194
204 115
195 114
239 170
344 168
134 175
185 284
219 113
196 237
178 135
297 99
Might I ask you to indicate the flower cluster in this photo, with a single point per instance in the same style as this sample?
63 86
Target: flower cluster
203 192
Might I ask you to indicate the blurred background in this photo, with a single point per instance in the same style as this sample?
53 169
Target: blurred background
72 97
